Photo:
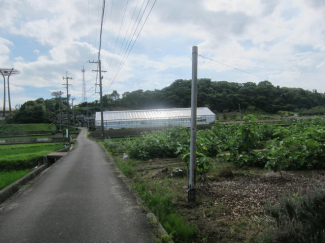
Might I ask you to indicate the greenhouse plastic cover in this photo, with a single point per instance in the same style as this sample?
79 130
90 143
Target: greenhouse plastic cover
153 114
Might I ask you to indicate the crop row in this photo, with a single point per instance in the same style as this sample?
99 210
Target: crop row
299 145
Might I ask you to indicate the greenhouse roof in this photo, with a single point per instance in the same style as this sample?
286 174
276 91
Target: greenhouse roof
153 114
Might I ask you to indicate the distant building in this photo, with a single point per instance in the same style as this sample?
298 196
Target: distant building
153 118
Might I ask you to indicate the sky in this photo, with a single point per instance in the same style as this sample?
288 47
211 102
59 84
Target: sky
147 44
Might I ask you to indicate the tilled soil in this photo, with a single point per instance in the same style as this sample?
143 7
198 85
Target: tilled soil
230 205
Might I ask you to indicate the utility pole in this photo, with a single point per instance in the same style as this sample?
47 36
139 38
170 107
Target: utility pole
83 85
84 95
100 95
100 71
67 84
192 166
73 115
60 112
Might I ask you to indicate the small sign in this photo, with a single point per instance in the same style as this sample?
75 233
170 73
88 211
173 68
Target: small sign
66 133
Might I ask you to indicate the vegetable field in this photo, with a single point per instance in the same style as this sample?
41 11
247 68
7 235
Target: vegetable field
298 145
247 175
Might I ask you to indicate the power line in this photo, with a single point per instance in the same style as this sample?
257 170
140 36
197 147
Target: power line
134 41
119 32
98 21
126 33
88 30
129 39
230 66
109 20
204 57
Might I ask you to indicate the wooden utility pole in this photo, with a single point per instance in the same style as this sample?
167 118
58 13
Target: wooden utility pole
192 165
67 84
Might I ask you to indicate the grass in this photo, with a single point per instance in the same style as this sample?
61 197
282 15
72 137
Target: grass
158 198
160 203
27 137
9 128
31 145
23 156
6 178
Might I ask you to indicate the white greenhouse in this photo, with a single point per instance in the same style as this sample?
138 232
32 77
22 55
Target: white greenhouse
153 118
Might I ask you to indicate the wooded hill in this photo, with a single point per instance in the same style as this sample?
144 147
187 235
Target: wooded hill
220 96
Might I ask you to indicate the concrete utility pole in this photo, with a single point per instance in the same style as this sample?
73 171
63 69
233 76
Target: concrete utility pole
192 166
84 95
100 71
67 84
100 95
73 115
84 99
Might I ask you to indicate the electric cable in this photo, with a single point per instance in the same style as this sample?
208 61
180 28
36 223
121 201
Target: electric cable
134 41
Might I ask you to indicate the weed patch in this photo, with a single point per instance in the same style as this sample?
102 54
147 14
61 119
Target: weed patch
162 206
298 219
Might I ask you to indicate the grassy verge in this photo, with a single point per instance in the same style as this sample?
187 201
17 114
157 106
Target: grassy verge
6 178
159 198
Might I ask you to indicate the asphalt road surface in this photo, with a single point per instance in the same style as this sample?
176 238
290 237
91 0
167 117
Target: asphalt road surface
78 199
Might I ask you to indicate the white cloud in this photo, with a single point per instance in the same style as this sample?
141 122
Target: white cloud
278 40
19 59
4 51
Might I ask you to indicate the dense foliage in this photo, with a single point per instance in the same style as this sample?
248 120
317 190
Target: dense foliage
297 145
223 96
219 96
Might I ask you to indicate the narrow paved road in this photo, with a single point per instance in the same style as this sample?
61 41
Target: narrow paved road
78 199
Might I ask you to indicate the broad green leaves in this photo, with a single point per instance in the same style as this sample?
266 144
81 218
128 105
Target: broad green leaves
299 145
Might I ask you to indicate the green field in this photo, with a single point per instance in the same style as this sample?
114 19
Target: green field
27 137
25 156
10 128
6 178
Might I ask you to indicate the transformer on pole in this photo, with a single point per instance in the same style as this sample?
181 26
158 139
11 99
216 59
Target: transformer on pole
7 72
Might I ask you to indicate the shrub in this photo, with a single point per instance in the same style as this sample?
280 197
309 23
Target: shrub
298 219
158 144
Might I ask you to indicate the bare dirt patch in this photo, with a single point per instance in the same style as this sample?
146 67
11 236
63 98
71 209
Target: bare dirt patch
230 206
